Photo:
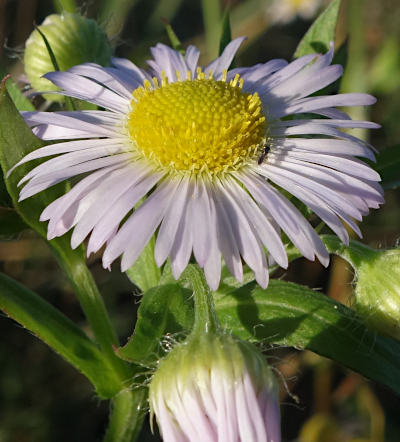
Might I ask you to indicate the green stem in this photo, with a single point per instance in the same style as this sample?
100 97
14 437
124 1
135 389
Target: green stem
127 414
205 318
93 307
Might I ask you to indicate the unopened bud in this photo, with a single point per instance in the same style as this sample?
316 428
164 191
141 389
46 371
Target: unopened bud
214 388
377 290
377 293
73 39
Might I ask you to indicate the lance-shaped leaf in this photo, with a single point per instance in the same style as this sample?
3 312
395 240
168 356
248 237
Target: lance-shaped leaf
285 314
226 34
17 140
164 310
292 315
321 32
60 333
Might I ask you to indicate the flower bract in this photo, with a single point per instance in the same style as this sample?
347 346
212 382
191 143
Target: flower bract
200 156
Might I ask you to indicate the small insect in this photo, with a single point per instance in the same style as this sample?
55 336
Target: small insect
264 154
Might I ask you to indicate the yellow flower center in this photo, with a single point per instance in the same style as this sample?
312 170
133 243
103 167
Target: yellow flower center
197 126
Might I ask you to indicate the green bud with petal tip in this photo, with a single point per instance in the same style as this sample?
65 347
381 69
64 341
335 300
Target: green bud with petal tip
377 290
73 39
215 387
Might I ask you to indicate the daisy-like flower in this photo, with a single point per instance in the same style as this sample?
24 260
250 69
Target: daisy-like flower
201 153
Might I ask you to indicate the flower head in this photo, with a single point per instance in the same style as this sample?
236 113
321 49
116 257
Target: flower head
200 153
74 39
215 388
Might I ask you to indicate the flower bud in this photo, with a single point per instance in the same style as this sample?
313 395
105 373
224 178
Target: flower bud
377 293
73 39
215 388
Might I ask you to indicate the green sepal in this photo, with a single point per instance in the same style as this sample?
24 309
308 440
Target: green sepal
321 32
291 315
60 333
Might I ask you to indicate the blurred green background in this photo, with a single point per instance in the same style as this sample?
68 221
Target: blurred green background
42 398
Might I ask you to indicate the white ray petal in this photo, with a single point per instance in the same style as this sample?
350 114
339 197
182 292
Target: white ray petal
182 247
226 238
200 207
212 267
85 89
121 207
101 200
267 234
169 226
72 159
246 238
104 76
36 185
140 226
288 218
223 62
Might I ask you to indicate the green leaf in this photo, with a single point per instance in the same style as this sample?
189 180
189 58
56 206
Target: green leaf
292 315
20 101
16 140
226 34
60 333
166 309
144 273
388 166
321 32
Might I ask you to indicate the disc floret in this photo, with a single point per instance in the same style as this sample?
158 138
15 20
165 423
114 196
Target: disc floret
197 126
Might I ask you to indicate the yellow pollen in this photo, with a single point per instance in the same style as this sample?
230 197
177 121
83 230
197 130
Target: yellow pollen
197 126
